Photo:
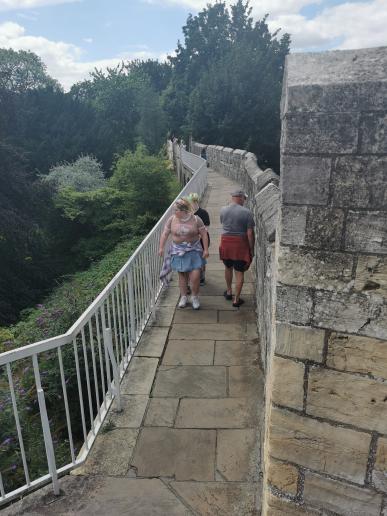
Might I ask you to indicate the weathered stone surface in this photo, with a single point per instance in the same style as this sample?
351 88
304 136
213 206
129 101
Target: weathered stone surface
301 342
365 314
161 412
357 354
152 342
195 317
267 209
111 453
132 414
371 274
317 269
180 453
245 381
190 381
218 498
236 316
238 454
288 383
340 498
374 130
308 133
236 353
379 475
305 179
208 332
366 232
359 182
293 225
220 303
324 228
347 398
283 476
100 496
282 507
293 304
163 316
140 375
189 352
219 413
319 446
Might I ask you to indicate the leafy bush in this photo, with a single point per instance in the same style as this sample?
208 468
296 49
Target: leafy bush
83 175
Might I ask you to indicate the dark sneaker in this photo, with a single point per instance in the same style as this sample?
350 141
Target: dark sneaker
227 296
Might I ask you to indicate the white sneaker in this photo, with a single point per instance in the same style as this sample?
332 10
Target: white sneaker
183 302
195 302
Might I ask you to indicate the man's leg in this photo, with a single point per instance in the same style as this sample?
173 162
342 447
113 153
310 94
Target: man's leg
239 279
228 277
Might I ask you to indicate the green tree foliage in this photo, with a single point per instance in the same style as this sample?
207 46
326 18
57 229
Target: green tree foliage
83 175
227 80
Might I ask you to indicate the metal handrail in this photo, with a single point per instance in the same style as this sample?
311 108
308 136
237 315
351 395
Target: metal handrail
103 341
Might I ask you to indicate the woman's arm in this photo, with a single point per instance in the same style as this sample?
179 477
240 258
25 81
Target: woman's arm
204 237
164 236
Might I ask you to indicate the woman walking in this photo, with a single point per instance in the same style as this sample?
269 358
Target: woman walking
187 254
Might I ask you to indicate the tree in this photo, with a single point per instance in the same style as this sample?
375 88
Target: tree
83 175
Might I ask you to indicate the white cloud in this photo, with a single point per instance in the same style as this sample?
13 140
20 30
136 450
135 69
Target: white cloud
88 40
9 5
63 60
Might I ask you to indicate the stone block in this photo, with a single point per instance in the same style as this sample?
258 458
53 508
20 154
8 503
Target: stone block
324 228
218 413
318 98
245 381
181 453
371 274
189 352
315 269
357 354
293 222
132 414
365 314
267 209
348 399
340 498
218 498
379 474
294 304
319 446
307 133
283 476
237 457
359 182
366 232
300 342
192 381
152 342
264 178
374 131
139 376
305 180
283 507
161 412
288 383
236 353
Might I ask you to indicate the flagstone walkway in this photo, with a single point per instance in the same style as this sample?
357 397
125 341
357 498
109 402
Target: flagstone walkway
188 439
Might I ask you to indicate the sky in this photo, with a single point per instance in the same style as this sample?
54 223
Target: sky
75 36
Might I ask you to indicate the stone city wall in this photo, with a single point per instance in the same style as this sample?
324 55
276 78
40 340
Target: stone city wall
264 200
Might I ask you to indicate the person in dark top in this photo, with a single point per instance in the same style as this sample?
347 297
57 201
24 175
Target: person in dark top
203 214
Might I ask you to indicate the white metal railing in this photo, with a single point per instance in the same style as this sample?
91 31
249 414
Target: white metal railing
96 350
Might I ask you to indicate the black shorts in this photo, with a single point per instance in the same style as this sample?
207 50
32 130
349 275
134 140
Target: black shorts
238 265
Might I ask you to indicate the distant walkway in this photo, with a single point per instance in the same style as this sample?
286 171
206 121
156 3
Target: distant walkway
188 439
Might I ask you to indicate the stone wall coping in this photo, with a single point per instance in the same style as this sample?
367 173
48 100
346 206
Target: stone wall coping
268 203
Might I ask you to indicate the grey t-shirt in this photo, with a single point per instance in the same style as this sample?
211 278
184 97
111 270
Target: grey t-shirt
236 219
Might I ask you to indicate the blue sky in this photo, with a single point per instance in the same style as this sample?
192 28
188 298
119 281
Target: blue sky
74 36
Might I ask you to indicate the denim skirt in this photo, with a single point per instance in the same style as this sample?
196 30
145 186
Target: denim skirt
188 262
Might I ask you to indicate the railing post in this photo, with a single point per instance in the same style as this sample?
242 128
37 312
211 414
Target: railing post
50 454
116 374
132 316
149 285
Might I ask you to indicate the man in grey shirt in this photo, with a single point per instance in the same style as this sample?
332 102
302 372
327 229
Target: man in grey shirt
237 243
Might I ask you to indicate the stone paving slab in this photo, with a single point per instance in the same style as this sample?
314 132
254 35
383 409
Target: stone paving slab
217 277
189 352
102 496
209 332
236 316
245 381
220 303
163 316
132 414
152 342
161 412
217 413
217 289
111 453
236 353
190 381
179 453
187 316
237 454
218 498
140 375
